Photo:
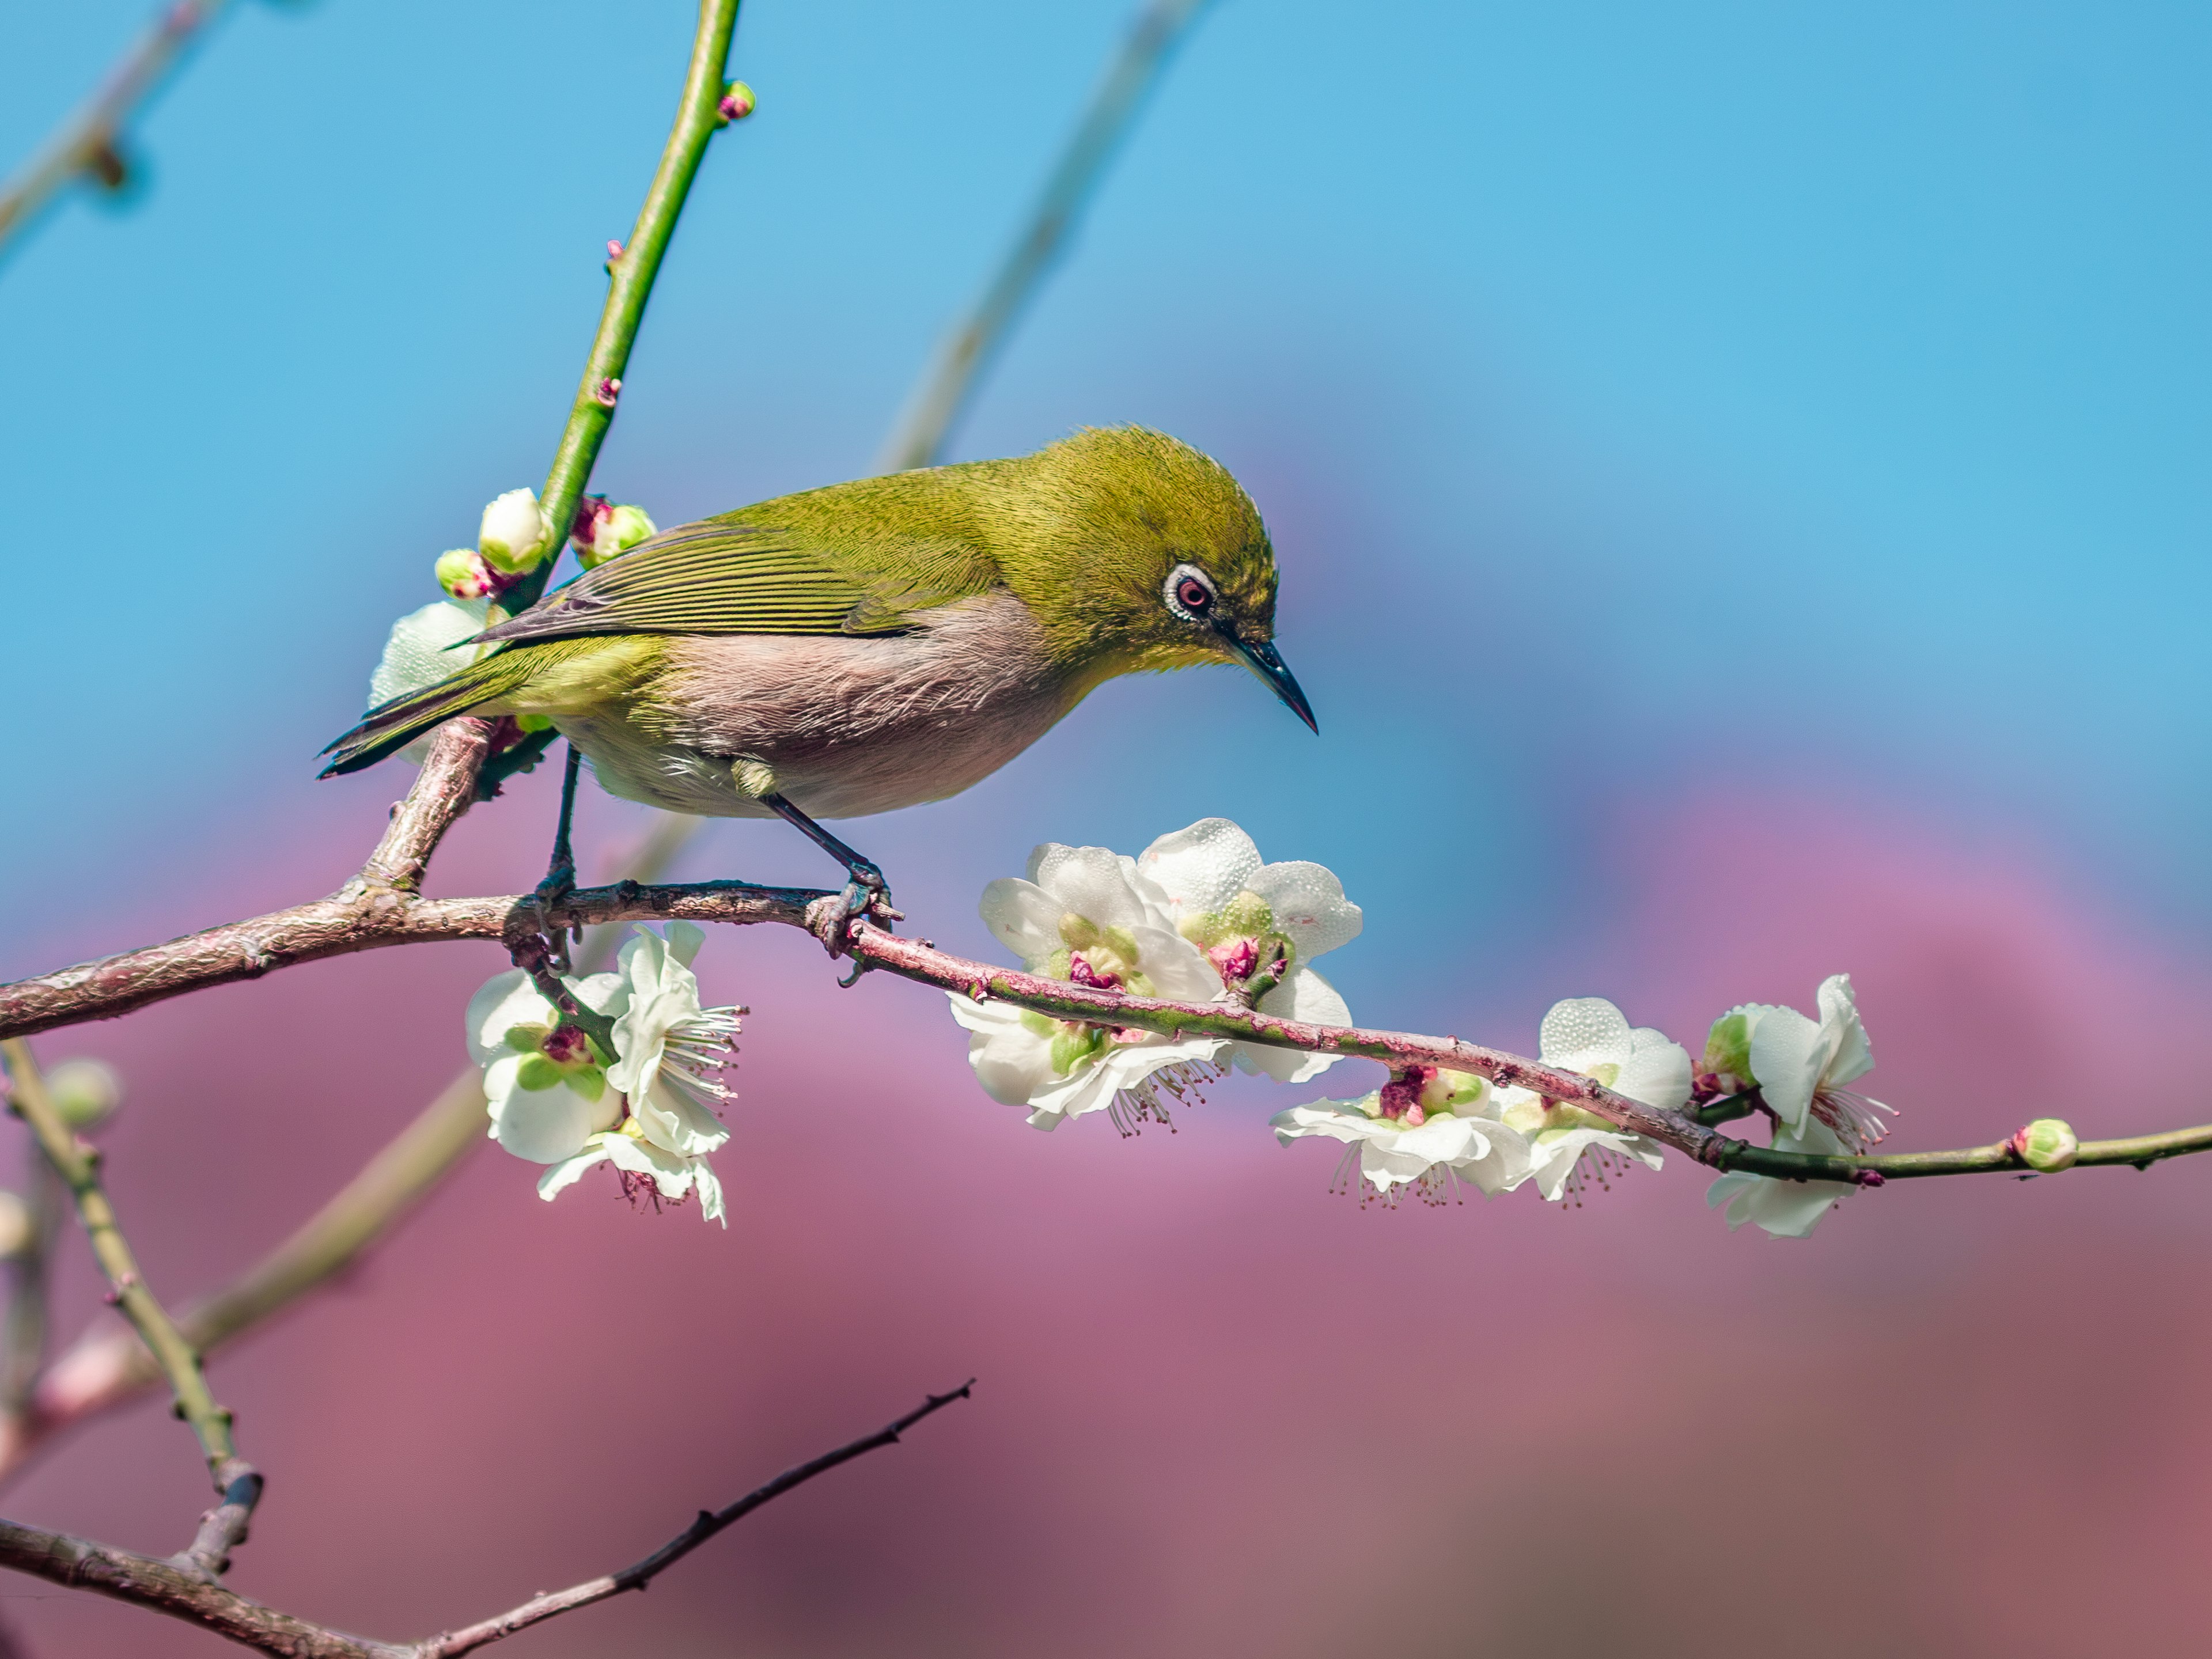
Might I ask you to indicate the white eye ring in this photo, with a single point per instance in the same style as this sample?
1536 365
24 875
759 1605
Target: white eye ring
1176 578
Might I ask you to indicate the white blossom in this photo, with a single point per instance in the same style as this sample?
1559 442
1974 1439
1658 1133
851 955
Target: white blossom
1423 1132
673 1051
1081 915
1247 916
555 1099
669 1176
1800 1066
1588 1035
547 1090
1786 1209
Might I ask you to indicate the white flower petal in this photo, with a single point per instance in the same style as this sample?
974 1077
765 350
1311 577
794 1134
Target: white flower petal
1839 1016
1657 1072
1584 1029
1177 968
1202 867
1788 1054
1023 917
546 1126
669 1172
1011 1062
565 1173
1088 881
1310 906
1783 1209
675 1122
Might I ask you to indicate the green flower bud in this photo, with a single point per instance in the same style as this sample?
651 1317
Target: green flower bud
1079 932
514 535
603 529
2049 1144
85 1092
463 574
1727 1048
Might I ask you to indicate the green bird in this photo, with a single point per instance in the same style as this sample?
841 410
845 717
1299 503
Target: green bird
880 643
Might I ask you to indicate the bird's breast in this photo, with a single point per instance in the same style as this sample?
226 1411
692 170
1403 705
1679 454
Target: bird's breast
846 724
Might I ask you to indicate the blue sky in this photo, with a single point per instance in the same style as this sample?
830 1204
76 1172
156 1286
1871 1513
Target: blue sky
1803 399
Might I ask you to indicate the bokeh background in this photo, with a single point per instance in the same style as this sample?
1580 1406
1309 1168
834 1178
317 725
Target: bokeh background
1738 473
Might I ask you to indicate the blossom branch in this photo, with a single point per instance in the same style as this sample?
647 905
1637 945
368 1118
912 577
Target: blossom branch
165 1587
936 400
222 1527
86 144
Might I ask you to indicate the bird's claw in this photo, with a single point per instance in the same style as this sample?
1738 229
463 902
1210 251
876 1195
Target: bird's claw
548 896
867 898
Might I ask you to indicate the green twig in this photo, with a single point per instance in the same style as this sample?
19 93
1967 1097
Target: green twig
631 272
78 1164
936 400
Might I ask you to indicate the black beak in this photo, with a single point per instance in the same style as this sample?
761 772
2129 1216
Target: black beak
1263 660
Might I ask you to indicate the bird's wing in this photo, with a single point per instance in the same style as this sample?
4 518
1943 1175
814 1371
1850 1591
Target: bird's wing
716 577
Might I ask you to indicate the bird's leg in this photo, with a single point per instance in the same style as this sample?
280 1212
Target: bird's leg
561 871
865 885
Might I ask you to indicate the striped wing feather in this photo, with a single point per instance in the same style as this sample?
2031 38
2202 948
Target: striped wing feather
708 577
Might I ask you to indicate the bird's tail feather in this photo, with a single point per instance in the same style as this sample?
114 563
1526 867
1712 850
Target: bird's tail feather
389 727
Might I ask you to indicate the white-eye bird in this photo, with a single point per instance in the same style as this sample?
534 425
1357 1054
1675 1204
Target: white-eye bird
880 643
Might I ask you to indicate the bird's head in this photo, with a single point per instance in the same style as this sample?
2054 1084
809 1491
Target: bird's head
1136 552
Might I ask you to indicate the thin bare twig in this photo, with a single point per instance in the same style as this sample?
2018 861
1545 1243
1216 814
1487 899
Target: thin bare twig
164 1587
936 400
710 1521
88 144
236 1482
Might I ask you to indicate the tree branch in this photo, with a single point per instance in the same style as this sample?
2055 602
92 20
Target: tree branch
86 144
164 1587
224 1527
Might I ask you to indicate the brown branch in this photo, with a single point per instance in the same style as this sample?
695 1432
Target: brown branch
87 145
164 1587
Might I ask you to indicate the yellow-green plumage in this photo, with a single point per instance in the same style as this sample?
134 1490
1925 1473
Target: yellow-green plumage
879 642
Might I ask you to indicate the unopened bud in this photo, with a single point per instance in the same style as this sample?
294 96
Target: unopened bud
462 573
738 102
514 536
2049 1144
622 528
85 1092
1727 1048
17 1229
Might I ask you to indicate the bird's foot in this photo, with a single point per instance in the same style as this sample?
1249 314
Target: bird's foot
867 896
548 896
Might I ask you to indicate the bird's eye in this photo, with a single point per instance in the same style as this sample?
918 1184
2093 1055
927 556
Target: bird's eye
1194 595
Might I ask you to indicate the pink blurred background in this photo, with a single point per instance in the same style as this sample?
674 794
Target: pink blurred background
1739 479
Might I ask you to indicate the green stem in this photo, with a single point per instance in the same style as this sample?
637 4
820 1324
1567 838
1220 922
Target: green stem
78 1165
2142 1151
632 275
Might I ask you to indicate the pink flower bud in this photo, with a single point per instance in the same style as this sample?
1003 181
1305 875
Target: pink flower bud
738 102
